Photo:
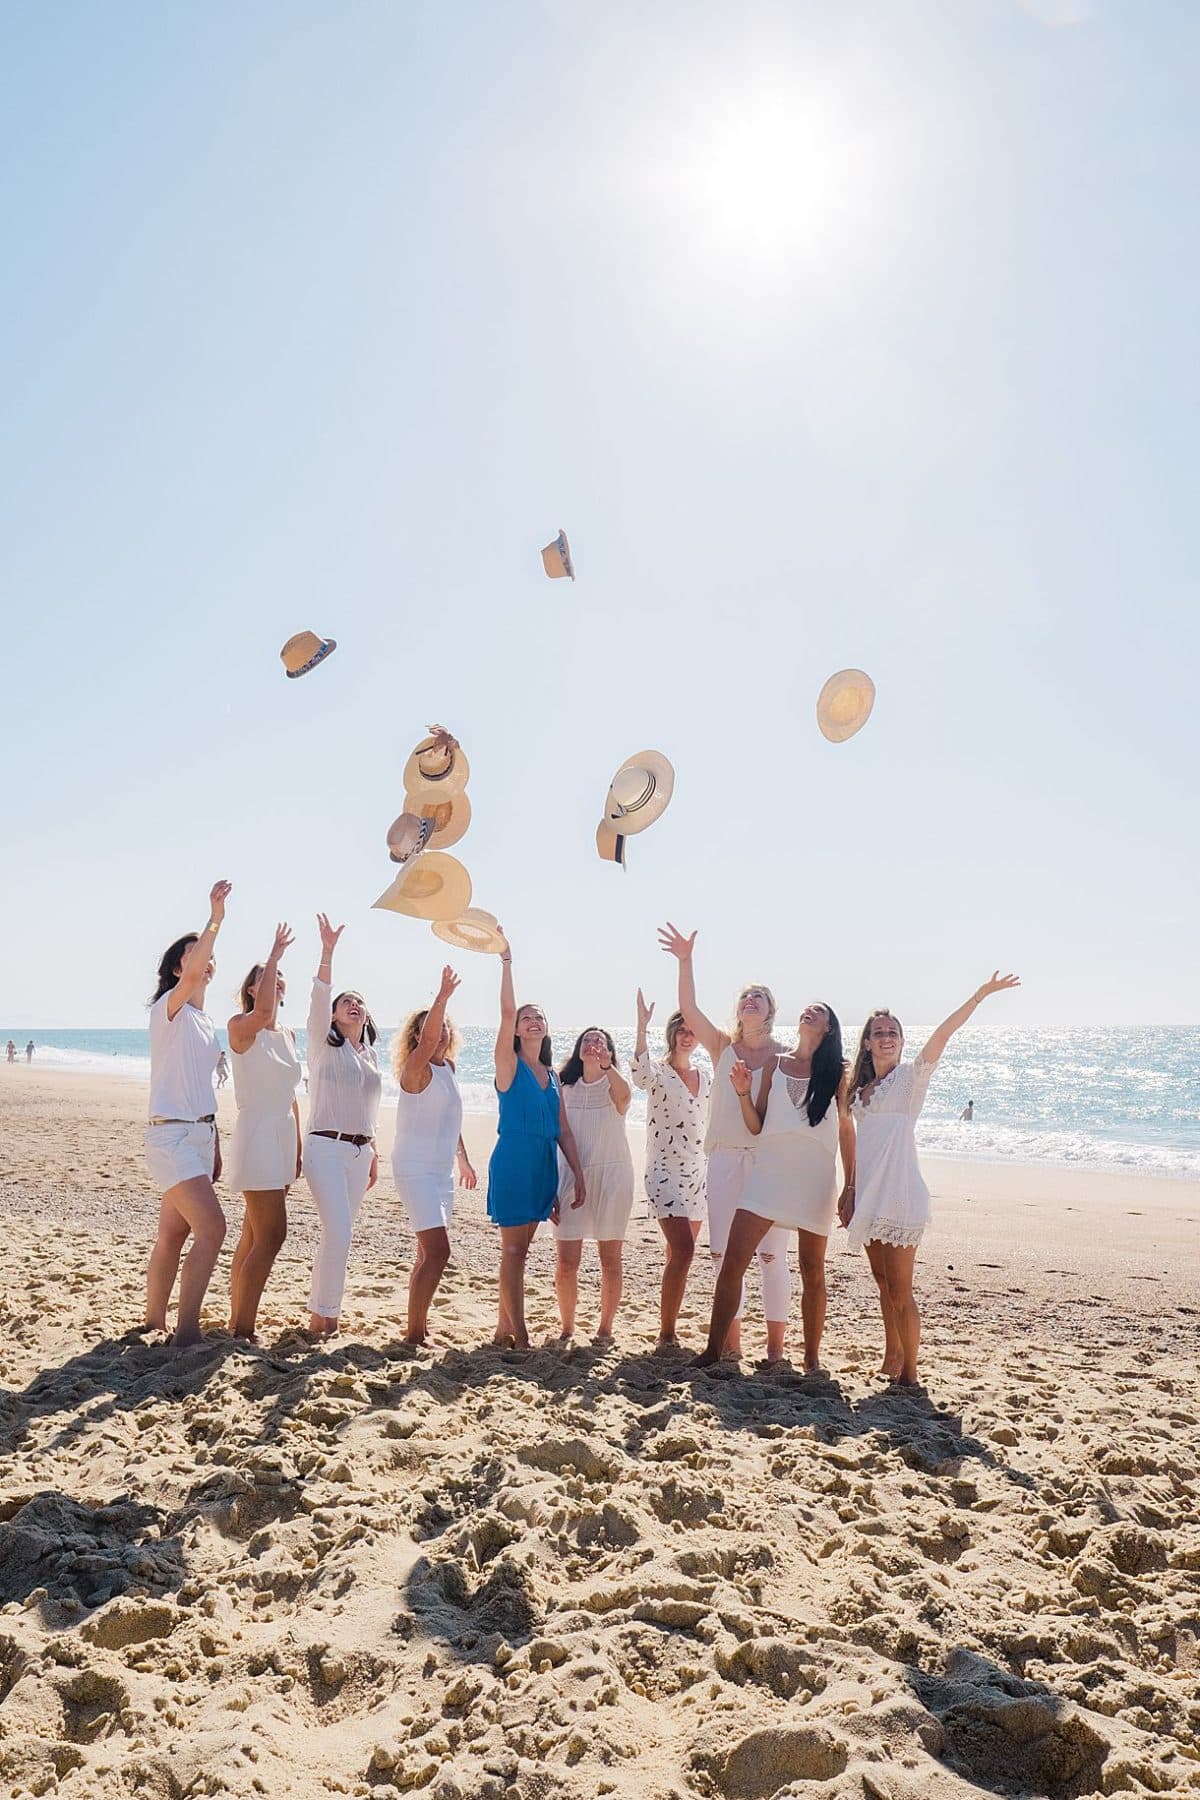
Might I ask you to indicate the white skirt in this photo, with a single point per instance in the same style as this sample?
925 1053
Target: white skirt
176 1153
428 1199
262 1152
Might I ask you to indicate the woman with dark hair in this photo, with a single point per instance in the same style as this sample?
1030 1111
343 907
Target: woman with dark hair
596 1096
798 1118
523 1171
183 1151
340 1159
728 1144
886 1203
428 1139
676 1105
264 1152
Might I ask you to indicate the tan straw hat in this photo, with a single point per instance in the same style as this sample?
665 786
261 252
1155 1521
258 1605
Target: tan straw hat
610 843
476 930
408 836
448 815
432 886
435 769
844 704
304 651
556 558
639 792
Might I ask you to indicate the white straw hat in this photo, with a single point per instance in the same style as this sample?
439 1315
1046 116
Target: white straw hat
304 651
447 815
844 704
610 843
556 558
639 792
432 886
475 930
435 769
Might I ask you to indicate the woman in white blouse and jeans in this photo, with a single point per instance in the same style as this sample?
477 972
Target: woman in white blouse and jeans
340 1161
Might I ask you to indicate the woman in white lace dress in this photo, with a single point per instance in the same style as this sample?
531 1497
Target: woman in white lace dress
676 1111
596 1097
886 1206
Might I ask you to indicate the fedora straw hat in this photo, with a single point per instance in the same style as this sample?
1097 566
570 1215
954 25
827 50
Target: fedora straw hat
434 770
447 815
432 886
408 836
556 558
475 930
639 792
610 843
844 704
304 651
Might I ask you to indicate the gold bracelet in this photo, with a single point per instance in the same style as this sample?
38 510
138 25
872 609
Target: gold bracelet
214 925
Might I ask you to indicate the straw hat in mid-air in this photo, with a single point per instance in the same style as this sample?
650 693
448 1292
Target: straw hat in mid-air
304 651
638 794
556 558
475 930
436 768
844 704
431 886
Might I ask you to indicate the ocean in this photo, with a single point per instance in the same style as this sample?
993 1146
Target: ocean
1095 1097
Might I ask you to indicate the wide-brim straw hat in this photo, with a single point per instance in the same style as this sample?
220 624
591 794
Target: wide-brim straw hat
433 771
610 843
448 816
844 704
639 792
556 558
432 886
408 836
304 651
475 930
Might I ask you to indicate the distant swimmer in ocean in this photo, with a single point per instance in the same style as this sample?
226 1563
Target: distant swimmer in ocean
29 1051
10 1051
886 1207
183 1150
967 1115
222 1069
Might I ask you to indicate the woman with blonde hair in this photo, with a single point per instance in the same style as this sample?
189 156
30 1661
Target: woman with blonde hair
676 1107
428 1140
264 1152
728 1142
886 1206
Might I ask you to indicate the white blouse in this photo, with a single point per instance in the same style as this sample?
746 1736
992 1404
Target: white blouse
344 1084
183 1061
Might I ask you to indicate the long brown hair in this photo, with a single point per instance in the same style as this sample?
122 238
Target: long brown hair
244 994
406 1039
864 1063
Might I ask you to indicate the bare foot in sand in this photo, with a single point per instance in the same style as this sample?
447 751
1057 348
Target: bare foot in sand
183 1340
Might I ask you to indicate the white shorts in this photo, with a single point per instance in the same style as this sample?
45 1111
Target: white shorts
176 1153
428 1199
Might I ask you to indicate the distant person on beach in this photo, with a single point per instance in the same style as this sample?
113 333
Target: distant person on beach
222 1069
886 1207
799 1119
183 1150
676 1110
967 1115
10 1051
728 1143
29 1051
596 1096
523 1170
428 1144
340 1159
264 1151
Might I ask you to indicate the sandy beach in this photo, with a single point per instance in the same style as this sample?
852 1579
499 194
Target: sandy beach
351 1570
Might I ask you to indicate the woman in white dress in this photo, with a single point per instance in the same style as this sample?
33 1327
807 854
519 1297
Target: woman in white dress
799 1119
340 1160
596 1097
183 1149
428 1141
676 1109
264 1152
886 1205
727 1143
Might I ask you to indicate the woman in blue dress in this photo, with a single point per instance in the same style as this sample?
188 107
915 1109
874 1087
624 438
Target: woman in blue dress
523 1171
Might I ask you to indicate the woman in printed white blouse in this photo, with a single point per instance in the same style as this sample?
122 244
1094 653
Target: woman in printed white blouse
340 1161
676 1111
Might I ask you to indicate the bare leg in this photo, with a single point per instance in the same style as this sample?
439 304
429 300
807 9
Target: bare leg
610 1285
812 1294
898 1264
681 1235
433 1253
514 1250
775 1269
196 1203
566 1284
745 1235
164 1263
893 1348
264 1230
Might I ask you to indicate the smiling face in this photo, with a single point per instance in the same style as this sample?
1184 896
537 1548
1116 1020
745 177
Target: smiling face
350 1014
531 1024
594 1045
814 1021
885 1040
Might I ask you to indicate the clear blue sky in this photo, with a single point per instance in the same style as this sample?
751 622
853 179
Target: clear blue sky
839 333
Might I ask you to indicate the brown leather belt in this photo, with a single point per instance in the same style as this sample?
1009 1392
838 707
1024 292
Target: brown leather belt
344 1137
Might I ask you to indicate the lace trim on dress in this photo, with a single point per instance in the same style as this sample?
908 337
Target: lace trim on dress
797 1087
890 1231
865 1103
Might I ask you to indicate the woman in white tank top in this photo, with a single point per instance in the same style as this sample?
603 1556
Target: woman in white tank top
428 1140
728 1143
264 1152
798 1117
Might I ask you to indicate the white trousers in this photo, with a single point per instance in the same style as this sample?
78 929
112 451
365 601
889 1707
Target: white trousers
337 1176
727 1172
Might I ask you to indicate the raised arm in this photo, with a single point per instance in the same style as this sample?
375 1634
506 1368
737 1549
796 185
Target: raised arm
946 1030
643 1074
672 940
416 1063
196 958
245 1027
753 1111
320 1011
505 1055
